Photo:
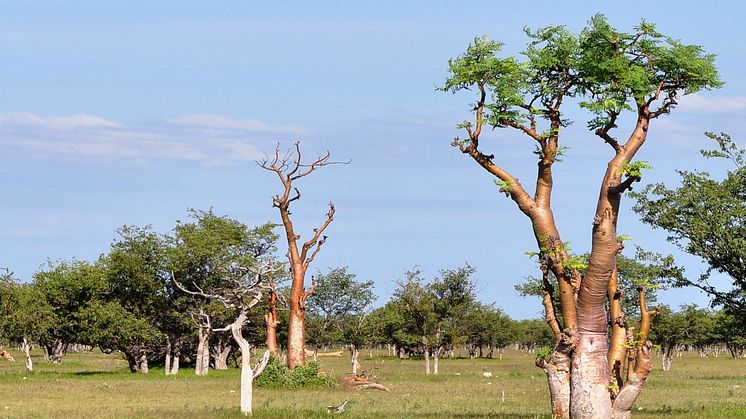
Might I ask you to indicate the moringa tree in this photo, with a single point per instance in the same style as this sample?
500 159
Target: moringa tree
241 288
612 74
290 168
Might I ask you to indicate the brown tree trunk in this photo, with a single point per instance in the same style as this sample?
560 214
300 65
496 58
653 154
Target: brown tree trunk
296 320
271 320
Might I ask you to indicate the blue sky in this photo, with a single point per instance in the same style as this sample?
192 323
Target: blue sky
119 113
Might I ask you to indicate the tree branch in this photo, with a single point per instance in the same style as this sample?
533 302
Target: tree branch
316 240
259 368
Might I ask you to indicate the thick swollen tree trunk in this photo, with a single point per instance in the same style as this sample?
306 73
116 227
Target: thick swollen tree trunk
220 352
173 355
557 369
175 362
296 319
202 364
55 351
590 365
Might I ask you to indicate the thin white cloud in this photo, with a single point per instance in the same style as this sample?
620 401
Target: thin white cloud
89 138
696 103
218 122
80 120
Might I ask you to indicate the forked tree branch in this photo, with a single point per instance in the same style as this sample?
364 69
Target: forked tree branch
317 240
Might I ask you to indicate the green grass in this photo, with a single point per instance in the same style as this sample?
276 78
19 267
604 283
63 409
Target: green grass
98 385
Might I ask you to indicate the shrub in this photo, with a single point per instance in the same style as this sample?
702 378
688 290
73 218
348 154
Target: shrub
278 375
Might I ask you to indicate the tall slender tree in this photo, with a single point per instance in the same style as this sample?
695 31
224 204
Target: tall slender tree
611 73
290 168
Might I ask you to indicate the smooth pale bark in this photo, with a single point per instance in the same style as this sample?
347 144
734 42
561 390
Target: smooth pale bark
26 347
202 364
557 369
173 353
427 355
354 355
220 352
142 363
436 360
175 363
247 373
167 361
589 385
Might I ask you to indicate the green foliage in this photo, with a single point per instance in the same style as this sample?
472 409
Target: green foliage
504 186
705 217
277 375
68 288
341 305
545 353
609 70
24 312
635 168
432 313
576 262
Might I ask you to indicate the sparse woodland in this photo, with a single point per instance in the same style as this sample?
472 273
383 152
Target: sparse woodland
216 294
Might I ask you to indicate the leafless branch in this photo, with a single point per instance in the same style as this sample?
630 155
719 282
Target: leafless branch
259 368
317 240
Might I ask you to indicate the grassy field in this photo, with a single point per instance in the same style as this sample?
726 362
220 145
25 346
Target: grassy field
97 385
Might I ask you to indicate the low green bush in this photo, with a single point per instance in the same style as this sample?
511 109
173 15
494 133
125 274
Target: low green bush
278 375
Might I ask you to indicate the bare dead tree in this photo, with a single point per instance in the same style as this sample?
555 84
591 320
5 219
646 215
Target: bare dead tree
243 289
289 168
